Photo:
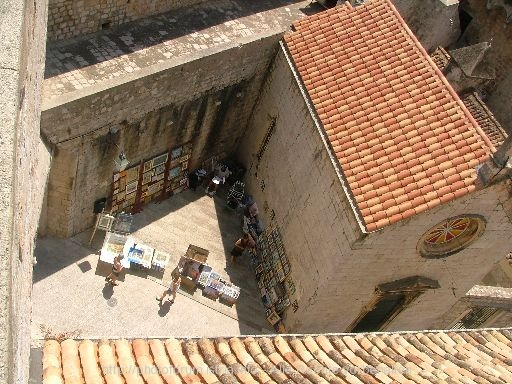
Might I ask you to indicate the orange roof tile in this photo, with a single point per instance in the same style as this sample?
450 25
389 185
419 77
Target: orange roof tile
394 117
482 355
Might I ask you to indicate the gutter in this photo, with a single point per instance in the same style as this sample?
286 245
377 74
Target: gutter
335 162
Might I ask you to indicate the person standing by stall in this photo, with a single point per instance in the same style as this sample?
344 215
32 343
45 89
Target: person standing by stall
116 270
171 291
221 173
246 241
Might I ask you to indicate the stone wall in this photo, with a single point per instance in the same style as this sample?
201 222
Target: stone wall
301 188
489 25
71 18
332 263
207 101
434 22
24 163
457 273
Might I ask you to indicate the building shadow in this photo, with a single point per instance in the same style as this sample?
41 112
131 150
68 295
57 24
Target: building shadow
249 307
54 254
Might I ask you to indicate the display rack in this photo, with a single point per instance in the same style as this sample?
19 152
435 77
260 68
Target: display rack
155 178
272 269
124 189
177 175
153 175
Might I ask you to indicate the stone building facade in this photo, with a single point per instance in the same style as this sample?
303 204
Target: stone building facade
333 263
204 99
182 100
199 103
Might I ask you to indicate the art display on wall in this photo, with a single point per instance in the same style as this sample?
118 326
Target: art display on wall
272 269
154 178
124 189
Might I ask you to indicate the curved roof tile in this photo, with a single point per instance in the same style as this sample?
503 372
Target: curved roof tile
483 356
382 99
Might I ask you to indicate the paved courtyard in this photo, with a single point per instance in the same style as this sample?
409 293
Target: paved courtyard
70 297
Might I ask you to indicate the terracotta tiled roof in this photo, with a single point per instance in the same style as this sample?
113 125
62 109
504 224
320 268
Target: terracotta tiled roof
485 118
403 138
482 356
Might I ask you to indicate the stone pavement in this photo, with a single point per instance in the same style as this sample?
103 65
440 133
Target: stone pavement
70 297
176 36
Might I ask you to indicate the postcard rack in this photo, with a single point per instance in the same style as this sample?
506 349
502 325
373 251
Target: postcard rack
272 269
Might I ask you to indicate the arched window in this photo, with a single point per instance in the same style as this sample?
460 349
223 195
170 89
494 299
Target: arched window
450 236
388 301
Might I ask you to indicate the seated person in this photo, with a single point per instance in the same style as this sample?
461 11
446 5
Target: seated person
221 173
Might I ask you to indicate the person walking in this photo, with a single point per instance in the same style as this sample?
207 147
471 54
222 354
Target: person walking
171 291
246 241
116 270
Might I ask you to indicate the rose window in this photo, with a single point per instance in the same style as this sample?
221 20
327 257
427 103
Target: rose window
451 236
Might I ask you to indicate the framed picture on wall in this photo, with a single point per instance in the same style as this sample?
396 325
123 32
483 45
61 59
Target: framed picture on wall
159 169
130 200
131 187
273 317
174 172
132 174
175 153
158 176
148 165
153 188
162 159
146 177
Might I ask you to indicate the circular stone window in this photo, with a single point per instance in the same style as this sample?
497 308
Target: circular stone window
451 236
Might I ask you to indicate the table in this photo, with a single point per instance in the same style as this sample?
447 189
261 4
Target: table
113 245
197 253
214 286
140 254
160 259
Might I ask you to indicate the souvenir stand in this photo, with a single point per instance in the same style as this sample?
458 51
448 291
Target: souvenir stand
192 264
235 195
116 238
195 272
272 269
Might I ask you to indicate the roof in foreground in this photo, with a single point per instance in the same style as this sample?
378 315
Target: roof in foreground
403 138
482 356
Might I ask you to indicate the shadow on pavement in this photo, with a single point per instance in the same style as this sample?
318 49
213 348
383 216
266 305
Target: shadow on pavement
108 291
164 308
